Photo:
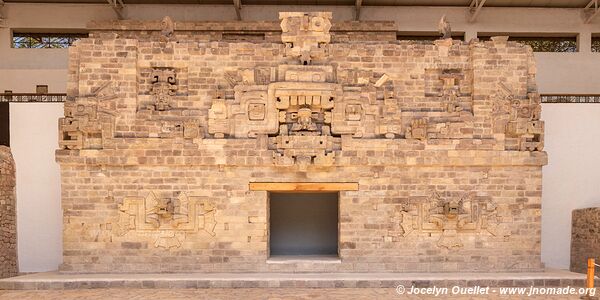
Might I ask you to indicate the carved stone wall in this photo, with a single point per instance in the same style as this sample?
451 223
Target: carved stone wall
585 238
163 133
8 215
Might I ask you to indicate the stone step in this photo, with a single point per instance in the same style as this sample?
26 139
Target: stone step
55 280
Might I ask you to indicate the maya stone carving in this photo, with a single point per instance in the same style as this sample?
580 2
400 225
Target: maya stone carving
168 218
175 121
310 104
451 218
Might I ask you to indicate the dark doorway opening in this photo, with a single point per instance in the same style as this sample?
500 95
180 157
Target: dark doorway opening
4 124
303 224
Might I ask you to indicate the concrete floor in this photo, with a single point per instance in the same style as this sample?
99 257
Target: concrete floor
246 294
272 286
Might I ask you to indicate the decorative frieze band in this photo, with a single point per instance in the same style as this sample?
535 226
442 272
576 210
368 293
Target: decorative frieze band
31 97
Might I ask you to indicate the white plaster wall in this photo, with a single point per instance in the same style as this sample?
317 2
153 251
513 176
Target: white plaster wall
571 179
568 73
33 140
572 130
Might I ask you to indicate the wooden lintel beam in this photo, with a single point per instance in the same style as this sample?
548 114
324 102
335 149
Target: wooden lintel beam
238 9
357 6
475 9
303 186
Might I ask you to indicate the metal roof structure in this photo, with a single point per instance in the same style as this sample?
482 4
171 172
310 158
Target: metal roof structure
490 3
590 8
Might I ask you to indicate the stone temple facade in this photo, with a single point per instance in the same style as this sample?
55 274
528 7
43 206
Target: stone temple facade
176 134
8 221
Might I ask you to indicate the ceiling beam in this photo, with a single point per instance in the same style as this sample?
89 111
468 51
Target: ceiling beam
475 9
2 13
357 7
117 6
238 9
591 11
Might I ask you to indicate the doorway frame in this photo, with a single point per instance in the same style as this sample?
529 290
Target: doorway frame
301 187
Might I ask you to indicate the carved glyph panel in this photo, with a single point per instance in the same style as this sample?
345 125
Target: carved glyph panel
449 218
89 122
166 218
518 119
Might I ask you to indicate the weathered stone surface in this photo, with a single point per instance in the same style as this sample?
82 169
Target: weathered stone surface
8 215
161 138
585 238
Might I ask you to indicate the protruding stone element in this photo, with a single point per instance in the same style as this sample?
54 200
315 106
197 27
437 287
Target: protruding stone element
191 129
383 79
164 86
444 28
390 119
451 88
304 150
167 27
417 130
499 41
518 119
218 123
305 34
89 122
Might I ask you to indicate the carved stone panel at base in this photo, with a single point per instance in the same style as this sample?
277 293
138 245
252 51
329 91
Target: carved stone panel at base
451 218
166 219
